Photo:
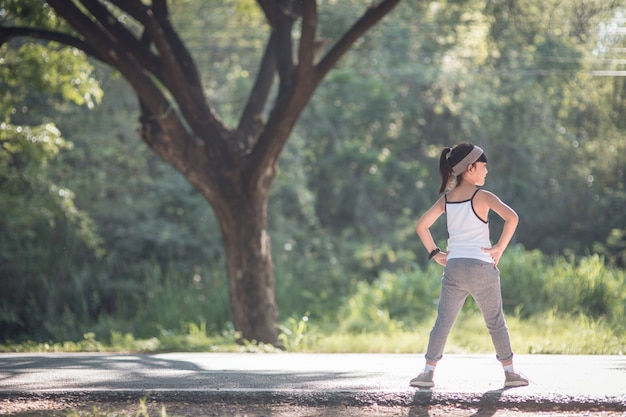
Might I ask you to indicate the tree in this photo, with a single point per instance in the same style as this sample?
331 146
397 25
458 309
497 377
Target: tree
232 167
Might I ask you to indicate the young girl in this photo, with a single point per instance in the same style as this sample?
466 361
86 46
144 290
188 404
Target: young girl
470 264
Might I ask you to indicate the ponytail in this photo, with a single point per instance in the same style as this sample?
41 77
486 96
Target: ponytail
445 170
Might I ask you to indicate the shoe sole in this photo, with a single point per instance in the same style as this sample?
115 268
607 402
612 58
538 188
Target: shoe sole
422 384
515 384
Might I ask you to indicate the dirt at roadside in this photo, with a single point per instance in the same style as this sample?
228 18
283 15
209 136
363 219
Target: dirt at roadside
59 408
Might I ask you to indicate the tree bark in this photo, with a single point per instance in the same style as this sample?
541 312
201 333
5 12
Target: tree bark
250 269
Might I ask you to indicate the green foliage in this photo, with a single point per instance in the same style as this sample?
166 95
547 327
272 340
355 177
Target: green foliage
391 301
61 72
294 334
40 220
569 335
28 11
532 284
568 286
88 343
586 286
31 197
542 334
36 77
167 301
33 78
615 247
24 158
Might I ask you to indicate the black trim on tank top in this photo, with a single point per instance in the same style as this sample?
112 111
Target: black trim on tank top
471 200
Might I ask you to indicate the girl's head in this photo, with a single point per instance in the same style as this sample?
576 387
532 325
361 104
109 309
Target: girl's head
455 161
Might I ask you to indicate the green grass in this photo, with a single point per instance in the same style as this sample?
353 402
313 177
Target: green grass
546 334
541 334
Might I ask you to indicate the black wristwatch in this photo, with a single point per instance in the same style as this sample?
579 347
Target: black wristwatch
433 253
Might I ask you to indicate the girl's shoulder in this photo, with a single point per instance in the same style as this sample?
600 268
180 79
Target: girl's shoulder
484 196
482 193
441 202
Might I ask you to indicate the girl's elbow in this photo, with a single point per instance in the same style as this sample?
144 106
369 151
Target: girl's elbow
512 215
420 227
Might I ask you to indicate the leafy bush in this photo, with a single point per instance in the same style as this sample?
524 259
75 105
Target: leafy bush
587 286
532 284
523 281
391 301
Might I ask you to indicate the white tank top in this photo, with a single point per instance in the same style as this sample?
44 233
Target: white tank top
468 233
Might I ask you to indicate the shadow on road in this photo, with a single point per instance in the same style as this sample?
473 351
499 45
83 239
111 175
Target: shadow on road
102 370
486 406
421 402
147 373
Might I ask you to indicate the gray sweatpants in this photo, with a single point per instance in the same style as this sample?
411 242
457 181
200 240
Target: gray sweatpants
481 280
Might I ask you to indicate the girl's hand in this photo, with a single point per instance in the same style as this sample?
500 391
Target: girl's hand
496 252
441 258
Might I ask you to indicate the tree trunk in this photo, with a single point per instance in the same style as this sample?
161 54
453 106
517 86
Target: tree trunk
250 268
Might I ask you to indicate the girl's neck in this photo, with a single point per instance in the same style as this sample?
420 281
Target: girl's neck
466 186
463 191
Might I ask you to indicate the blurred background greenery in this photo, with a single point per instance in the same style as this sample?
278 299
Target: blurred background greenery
102 241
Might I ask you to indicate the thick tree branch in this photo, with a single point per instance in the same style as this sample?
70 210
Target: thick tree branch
188 65
269 9
306 51
123 36
101 40
188 95
93 32
210 124
134 8
7 33
371 16
250 122
160 8
152 20
158 31
138 11
116 56
284 50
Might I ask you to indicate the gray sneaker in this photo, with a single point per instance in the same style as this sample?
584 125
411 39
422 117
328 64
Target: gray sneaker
513 379
423 380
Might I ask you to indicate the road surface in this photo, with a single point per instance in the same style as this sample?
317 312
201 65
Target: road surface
557 381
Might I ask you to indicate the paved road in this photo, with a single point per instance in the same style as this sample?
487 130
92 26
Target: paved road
577 382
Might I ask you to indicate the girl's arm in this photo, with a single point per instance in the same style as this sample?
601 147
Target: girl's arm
510 224
423 229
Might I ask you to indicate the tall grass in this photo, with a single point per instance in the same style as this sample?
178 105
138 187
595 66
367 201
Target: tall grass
553 305
173 299
533 283
544 334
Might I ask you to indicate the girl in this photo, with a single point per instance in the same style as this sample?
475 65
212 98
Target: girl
470 264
